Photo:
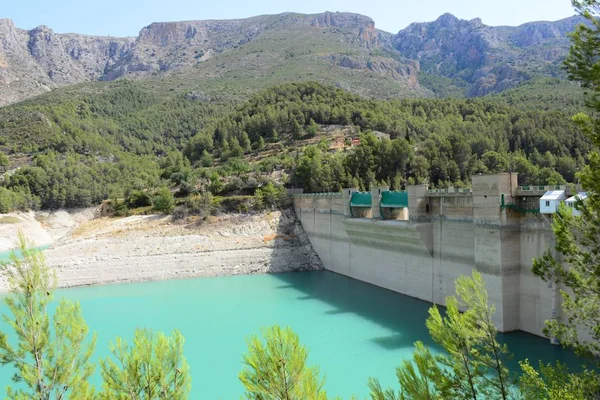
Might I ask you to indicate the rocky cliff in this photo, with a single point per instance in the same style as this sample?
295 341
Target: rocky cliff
32 62
485 58
39 60
479 58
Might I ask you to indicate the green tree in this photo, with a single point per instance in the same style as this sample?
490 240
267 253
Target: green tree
420 379
154 368
548 176
473 366
245 142
174 163
235 150
296 129
4 162
575 261
206 160
216 185
268 196
6 200
138 198
164 201
52 357
557 383
275 368
312 129
495 162
261 143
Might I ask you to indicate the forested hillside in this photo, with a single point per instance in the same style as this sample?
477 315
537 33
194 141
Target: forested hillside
80 147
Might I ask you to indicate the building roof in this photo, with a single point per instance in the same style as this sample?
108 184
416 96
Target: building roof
554 195
578 196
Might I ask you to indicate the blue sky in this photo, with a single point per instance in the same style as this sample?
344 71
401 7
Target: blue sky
127 17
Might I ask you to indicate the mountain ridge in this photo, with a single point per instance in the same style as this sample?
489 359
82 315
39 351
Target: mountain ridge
474 58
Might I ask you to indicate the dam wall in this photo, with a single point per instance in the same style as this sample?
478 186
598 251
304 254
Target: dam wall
441 235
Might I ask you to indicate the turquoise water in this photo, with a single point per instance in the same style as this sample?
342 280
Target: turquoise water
353 330
5 255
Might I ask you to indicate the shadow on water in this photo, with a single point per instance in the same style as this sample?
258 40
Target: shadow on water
402 315
405 316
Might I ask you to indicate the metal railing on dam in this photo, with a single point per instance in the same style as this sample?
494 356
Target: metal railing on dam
325 194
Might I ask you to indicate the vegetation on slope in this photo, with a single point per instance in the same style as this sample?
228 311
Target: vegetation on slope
81 147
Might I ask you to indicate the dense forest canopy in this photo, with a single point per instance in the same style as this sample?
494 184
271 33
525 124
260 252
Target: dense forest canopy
75 150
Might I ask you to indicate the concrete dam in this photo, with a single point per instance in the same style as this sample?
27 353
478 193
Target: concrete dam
419 241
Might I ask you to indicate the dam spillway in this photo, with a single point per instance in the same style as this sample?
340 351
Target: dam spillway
441 235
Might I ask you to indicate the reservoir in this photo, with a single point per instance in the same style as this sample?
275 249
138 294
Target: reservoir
353 330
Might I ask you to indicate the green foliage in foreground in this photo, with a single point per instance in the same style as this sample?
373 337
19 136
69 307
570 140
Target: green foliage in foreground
154 368
276 368
575 261
556 383
474 364
52 356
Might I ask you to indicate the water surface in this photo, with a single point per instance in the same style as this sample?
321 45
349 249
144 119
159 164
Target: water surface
5 255
353 330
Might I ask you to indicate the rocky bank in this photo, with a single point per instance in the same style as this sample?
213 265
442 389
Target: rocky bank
145 248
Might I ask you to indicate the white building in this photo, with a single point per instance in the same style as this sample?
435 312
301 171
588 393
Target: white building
571 201
550 201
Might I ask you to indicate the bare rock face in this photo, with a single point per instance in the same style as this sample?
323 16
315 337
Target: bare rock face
485 56
406 71
32 62
481 58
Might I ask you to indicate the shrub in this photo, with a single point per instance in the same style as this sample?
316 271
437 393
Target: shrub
6 200
138 198
164 201
268 196
241 204
201 205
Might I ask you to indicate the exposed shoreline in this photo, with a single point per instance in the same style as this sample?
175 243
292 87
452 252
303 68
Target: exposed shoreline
149 248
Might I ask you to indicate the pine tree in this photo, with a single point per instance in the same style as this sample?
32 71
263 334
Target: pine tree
578 238
235 149
556 383
473 366
245 142
207 159
427 382
52 358
276 368
313 128
297 129
4 162
154 368
164 201
261 143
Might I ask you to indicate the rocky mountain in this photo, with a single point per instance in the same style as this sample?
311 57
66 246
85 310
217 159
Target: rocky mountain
485 59
36 61
341 48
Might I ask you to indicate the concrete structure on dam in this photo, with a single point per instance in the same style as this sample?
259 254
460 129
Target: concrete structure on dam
418 242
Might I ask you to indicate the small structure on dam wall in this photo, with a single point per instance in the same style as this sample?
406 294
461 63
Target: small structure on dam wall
419 241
